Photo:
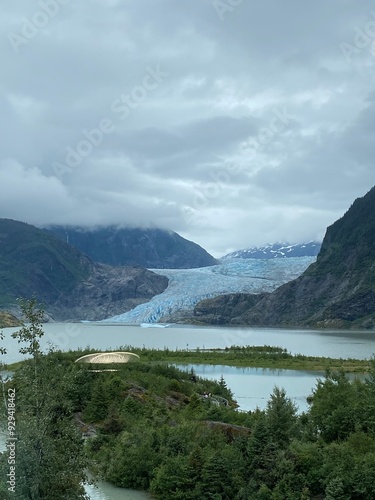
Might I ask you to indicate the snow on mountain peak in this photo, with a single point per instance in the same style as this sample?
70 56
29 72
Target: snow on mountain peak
277 250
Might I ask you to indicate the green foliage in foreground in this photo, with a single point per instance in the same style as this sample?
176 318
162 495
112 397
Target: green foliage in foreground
49 461
156 431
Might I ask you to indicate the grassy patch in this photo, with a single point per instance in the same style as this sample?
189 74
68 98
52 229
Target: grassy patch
242 356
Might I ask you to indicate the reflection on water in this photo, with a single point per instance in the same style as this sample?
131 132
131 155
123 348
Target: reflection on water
252 387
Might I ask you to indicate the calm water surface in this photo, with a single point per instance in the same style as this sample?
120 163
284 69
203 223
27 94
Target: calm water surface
106 491
330 343
253 386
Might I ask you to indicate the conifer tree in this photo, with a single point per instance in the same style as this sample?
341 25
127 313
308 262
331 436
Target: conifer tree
50 459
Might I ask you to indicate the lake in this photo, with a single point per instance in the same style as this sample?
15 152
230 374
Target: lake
251 386
329 343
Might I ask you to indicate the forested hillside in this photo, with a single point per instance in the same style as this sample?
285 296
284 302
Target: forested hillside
153 427
37 263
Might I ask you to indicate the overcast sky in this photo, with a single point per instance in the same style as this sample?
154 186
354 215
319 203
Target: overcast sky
233 123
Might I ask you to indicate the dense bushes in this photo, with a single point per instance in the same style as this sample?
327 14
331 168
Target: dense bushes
156 431
178 450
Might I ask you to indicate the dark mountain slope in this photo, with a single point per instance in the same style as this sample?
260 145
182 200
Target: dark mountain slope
32 261
338 290
152 248
72 286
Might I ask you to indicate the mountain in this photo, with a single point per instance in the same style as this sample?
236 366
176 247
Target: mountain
338 290
151 248
277 250
71 285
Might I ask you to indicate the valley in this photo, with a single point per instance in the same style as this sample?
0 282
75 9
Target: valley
187 287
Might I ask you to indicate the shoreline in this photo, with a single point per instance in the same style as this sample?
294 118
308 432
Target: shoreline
268 357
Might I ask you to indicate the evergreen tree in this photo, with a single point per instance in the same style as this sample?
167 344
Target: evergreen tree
282 418
50 459
332 405
335 490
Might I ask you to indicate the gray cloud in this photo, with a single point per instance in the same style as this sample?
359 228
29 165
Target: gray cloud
201 151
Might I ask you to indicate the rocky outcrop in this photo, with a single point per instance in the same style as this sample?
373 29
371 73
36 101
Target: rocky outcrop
224 309
8 320
108 291
338 290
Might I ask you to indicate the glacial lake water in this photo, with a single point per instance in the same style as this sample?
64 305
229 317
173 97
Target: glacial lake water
251 386
329 343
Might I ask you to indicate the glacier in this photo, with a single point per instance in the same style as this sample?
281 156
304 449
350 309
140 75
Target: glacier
189 286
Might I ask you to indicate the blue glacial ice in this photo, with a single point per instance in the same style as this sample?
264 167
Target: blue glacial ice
188 286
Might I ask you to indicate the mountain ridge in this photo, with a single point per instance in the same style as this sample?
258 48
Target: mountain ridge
151 247
277 250
337 291
69 284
